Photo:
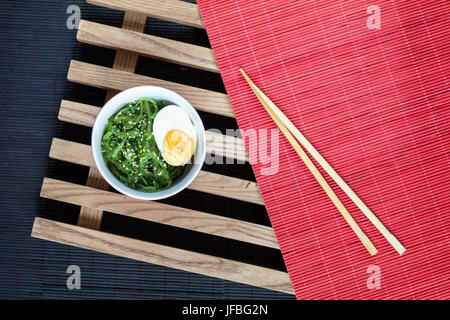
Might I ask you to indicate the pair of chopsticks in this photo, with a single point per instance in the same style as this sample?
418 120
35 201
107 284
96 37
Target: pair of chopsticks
294 136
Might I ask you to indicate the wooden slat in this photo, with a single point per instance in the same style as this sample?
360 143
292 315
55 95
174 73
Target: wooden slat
170 10
162 255
107 78
125 61
158 212
222 145
233 188
208 182
78 113
72 152
147 45
227 146
91 218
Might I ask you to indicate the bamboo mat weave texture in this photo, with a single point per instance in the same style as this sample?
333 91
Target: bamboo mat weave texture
375 103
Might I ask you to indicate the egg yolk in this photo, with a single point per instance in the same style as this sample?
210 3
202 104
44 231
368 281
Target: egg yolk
178 147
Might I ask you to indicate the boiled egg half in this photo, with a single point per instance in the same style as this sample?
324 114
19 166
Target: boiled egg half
175 135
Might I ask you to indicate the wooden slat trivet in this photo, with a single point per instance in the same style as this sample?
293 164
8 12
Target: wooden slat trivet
162 255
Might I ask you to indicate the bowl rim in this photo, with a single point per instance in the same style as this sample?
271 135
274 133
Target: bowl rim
112 106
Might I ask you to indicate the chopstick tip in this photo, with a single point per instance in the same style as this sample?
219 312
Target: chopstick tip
244 74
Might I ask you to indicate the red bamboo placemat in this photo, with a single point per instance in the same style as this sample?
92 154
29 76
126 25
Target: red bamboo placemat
375 103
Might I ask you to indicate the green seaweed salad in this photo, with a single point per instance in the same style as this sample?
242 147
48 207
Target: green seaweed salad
129 148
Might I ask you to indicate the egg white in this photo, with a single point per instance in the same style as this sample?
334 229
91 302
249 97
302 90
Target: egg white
170 118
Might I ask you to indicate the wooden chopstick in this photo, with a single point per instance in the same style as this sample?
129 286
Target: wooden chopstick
269 105
315 172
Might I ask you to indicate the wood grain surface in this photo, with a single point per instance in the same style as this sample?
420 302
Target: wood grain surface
207 182
216 143
147 45
107 78
158 212
170 10
162 255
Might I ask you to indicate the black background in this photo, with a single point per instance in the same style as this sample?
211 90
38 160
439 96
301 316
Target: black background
35 50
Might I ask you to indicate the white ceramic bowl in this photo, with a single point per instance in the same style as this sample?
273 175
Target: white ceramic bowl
158 93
